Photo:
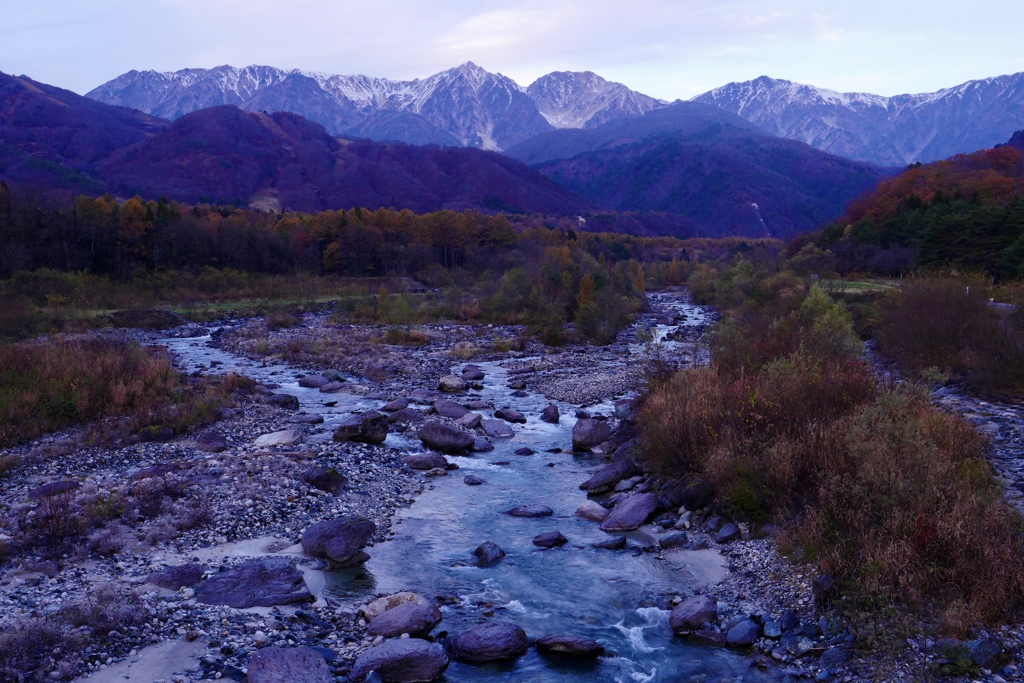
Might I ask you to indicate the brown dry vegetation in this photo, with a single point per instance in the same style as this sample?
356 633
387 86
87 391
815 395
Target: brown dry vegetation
870 482
948 326
47 385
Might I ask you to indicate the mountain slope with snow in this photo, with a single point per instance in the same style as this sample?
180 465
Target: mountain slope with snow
467 104
892 131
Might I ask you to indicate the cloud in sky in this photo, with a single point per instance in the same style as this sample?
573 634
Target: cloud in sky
666 48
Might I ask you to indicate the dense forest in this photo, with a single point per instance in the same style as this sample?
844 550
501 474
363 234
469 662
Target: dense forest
58 250
965 213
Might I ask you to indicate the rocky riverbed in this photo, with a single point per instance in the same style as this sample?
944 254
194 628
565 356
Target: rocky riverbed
196 560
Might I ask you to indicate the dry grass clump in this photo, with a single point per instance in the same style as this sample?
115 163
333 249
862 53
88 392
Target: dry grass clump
47 385
908 508
51 384
882 490
947 325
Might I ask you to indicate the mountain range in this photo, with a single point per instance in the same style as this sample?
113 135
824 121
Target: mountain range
693 168
466 105
891 131
470 106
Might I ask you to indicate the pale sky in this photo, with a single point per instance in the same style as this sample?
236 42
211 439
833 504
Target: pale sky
665 48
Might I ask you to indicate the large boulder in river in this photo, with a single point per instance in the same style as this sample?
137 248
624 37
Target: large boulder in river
569 646
288 665
607 477
450 409
472 373
443 438
257 583
631 513
487 553
493 641
588 433
416 617
550 414
403 660
313 381
452 384
340 540
497 429
369 427
592 511
425 461
550 539
510 415
692 613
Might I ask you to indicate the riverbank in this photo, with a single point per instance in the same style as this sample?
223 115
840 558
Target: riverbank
223 509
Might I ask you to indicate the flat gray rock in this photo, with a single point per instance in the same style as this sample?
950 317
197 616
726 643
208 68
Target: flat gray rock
403 660
492 641
417 618
443 438
288 665
256 583
530 511
450 409
569 646
497 429
425 461
631 513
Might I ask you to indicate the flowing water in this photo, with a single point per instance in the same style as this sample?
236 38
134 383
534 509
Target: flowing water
604 595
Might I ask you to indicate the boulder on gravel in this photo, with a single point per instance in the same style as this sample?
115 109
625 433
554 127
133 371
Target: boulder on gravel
674 540
370 427
744 633
692 613
569 646
416 617
285 401
452 384
450 409
443 438
381 605
510 415
550 414
530 511
487 553
403 660
212 441
631 513
406 416
177 577
497 429
592 511
550 539
425 461
729 532
256 583
325 479
492 641
588 433
313 381
340 540
288 665
285 437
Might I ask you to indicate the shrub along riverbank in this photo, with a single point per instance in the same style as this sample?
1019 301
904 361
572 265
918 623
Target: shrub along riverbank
867 480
